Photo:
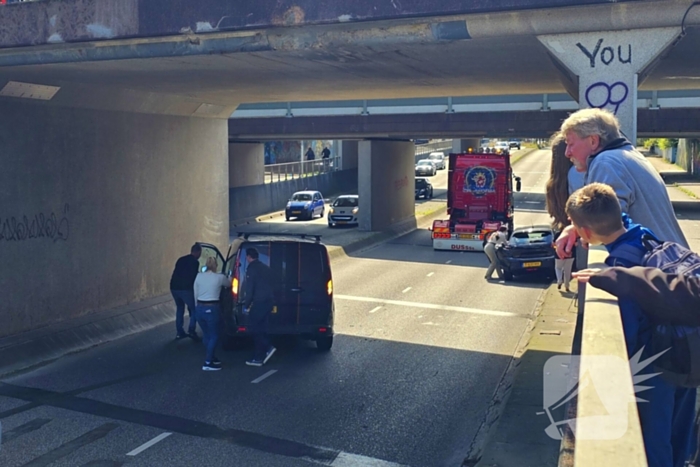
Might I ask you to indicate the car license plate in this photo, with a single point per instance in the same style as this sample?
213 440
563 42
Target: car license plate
340 222
532 264
469 236
296 212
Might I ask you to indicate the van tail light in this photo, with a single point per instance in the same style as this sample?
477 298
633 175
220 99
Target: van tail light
330 287
322 329
234 286
242 329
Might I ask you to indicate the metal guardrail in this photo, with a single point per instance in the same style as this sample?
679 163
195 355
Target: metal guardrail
303 169
425 149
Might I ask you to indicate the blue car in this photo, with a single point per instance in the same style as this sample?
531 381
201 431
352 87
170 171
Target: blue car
305 205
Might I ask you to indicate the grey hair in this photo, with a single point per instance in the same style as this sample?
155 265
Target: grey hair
593 122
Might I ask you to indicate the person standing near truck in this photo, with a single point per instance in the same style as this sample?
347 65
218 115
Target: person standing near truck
497 238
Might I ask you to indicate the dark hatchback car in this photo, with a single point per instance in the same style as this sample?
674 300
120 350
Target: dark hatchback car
529 250
303 287
423 189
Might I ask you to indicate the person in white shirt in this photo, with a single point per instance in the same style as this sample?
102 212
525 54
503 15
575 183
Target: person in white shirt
496 238
207 290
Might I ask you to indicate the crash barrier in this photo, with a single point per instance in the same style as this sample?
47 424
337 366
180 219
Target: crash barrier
424 149
603 424
295 170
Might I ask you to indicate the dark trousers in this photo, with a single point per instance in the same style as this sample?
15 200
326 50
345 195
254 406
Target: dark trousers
182 298
209 317
259 313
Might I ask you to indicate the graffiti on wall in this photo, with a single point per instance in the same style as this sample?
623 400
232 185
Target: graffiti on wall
41 225
607 54
603 95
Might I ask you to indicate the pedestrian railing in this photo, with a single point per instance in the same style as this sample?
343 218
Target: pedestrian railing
603 424
425 149
296 170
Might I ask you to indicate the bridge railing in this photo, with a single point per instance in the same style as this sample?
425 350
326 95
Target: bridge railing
601 371
303 169
423 150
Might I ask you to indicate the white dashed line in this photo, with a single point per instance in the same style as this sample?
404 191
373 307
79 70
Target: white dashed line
345 459
429 306
265 376
147 445
374 310
406 290
431 274
448 261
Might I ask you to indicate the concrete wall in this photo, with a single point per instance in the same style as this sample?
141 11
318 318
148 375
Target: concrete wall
386 173
250 201
96 206
246 164
348 152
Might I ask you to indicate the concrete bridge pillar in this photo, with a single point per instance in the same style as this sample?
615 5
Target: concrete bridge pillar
385 183
347 151
246 164
603 69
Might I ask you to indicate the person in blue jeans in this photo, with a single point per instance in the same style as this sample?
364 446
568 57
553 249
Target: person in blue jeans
182 289
668 413
207 291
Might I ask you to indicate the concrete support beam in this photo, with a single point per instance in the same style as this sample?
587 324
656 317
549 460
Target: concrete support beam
246 164
347 151
462 145
96 207
385 182
609 66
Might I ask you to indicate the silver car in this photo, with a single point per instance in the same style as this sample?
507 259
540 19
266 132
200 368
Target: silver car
426 167
439 159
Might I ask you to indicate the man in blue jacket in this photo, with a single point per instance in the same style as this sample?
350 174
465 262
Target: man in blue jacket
667 418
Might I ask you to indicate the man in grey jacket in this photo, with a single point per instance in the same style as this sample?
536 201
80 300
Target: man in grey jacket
596 147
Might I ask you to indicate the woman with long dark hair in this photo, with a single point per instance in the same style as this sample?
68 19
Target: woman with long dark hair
562 176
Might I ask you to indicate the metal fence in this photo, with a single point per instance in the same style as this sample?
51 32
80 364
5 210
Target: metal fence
295 170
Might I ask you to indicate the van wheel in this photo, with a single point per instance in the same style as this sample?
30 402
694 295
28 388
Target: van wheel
324 344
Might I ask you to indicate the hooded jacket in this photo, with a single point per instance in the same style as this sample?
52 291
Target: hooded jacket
640 189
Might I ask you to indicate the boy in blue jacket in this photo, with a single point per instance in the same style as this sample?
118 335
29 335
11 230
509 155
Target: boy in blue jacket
668 415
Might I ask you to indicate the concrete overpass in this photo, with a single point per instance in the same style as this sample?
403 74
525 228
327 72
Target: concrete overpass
661 114
114 136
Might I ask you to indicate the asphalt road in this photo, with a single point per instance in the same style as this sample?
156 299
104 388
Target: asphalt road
422 343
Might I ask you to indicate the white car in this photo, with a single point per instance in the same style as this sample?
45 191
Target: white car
426 167
503 146
344 211
439 158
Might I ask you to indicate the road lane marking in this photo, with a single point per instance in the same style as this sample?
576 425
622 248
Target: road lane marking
147 445
532 202
448 261
429 306
346 459
406 290
431 274
265 376
375 309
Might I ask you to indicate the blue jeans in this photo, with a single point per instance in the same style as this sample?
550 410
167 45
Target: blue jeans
182 298
209 317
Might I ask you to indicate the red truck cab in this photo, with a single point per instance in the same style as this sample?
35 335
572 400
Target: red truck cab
479 200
